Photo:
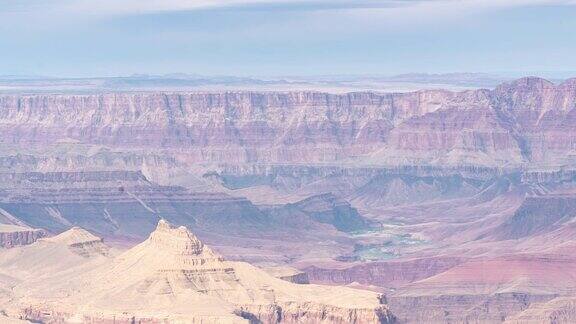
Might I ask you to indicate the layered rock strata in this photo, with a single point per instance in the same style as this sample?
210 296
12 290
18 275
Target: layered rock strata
12 235
174 277
525 121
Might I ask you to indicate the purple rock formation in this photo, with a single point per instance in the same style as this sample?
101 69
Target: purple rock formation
515 123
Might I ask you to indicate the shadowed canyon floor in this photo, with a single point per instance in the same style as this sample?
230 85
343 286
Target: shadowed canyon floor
458 207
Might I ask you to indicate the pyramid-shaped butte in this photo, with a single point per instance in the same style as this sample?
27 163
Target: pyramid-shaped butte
79 241
173 263
74 236
174 277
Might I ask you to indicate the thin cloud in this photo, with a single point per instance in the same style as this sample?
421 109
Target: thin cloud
423 12
152 6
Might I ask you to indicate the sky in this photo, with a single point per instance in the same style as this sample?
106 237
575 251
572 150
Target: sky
280 37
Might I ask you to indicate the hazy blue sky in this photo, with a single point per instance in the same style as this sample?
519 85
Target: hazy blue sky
276 37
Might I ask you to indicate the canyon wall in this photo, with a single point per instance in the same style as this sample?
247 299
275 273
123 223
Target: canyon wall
420 182
513 124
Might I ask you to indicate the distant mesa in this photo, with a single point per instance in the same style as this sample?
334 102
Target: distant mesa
521 122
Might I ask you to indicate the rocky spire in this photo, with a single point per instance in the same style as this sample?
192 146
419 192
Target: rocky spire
179 241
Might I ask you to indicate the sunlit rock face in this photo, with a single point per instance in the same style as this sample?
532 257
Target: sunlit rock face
172 277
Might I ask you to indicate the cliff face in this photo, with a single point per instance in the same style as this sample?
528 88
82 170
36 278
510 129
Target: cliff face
538 215
124 206
540 115
320 209
11 235
468 308
384 274
219 127
516 122
295 313
289 274
557 310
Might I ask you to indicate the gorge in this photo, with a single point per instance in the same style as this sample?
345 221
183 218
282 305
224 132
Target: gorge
456 207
